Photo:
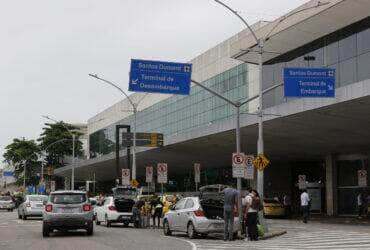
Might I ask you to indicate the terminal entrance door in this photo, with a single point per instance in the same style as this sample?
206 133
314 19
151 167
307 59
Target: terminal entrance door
314 172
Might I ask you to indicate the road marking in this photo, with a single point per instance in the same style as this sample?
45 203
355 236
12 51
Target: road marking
192 244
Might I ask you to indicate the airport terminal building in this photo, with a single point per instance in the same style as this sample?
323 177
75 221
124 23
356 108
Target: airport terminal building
325 139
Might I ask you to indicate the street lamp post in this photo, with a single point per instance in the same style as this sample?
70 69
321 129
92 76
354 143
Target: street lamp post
260 44
134 110
73 150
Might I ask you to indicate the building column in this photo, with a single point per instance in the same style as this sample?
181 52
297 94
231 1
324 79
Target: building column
331 185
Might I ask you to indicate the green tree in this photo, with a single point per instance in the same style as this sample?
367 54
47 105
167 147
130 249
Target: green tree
56 141
24 153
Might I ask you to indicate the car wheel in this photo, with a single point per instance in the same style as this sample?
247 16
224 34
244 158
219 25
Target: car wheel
24 217
19 216
191 231
166 228
125 224
97 222
90 229
11 210
45 230
107 222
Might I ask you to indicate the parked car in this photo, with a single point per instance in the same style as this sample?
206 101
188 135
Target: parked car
114 210
273 208
32 206
67 210
7 203
196 217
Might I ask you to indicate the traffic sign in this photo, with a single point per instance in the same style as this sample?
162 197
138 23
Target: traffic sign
8 174
162 172
50 170
134 183
362 178
309 82
302 184
238 163
260 162
249 169
143 139
197 172
149 174
160 77
126 177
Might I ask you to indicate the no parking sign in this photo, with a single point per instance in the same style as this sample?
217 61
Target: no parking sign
125 177
238 162
162 172
149 174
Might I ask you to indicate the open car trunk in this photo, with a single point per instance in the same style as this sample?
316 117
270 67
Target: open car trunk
123 204
212 204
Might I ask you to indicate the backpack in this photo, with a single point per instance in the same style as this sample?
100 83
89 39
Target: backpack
256 204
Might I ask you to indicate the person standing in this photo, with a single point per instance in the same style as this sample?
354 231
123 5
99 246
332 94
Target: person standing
253 202
230 206
157 209
305 201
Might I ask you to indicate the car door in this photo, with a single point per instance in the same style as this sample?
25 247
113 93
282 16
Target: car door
174 215
185 214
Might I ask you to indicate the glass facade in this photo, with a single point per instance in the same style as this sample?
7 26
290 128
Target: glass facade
179 114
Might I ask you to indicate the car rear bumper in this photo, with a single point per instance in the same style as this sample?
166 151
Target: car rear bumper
214 226
68 223
121 217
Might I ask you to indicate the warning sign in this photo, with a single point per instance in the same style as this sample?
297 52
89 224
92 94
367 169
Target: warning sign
162 172
126 177
238 162
260 162
362 178
302 184
249 169
134 183
149 174
197 172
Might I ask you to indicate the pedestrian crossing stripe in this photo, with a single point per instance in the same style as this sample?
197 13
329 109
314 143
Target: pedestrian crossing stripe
321 239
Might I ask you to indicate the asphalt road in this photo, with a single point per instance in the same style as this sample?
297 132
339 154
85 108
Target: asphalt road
26 235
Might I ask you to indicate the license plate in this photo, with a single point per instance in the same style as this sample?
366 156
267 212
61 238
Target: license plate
68 210
219 225
39 205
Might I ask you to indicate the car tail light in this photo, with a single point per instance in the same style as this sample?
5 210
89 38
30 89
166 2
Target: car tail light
28 205
49 208
112 208
86 207
199 213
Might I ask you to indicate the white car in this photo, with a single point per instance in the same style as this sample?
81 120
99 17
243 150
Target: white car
32 206
108 213
191 217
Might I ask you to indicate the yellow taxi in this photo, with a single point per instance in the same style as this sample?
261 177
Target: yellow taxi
273 208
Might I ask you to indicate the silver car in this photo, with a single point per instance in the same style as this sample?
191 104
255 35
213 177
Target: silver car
67 210
32 206
7 203
189 216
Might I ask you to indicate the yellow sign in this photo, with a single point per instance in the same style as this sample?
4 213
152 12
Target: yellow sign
50 170
134 183
260 162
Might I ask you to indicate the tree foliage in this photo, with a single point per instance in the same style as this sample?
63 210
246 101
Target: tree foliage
56 142
24 153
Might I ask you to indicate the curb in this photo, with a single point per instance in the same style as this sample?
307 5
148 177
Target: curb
272 235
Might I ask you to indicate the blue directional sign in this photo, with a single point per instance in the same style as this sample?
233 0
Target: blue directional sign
8 173
309 82
31 189
160 77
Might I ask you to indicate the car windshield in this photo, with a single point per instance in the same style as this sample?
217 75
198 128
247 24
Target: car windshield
38 198
5 198
125 191
67 198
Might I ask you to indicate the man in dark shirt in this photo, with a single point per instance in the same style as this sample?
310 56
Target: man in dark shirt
230 206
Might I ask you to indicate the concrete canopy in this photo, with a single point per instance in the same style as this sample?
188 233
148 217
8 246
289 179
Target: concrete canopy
299 27
308 129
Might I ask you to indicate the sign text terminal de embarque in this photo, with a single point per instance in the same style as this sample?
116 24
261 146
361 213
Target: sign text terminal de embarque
309 82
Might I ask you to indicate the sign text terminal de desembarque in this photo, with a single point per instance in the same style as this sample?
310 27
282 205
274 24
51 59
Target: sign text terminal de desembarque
309 82
160 77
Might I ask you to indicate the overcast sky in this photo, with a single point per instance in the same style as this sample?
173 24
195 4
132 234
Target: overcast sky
47 48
